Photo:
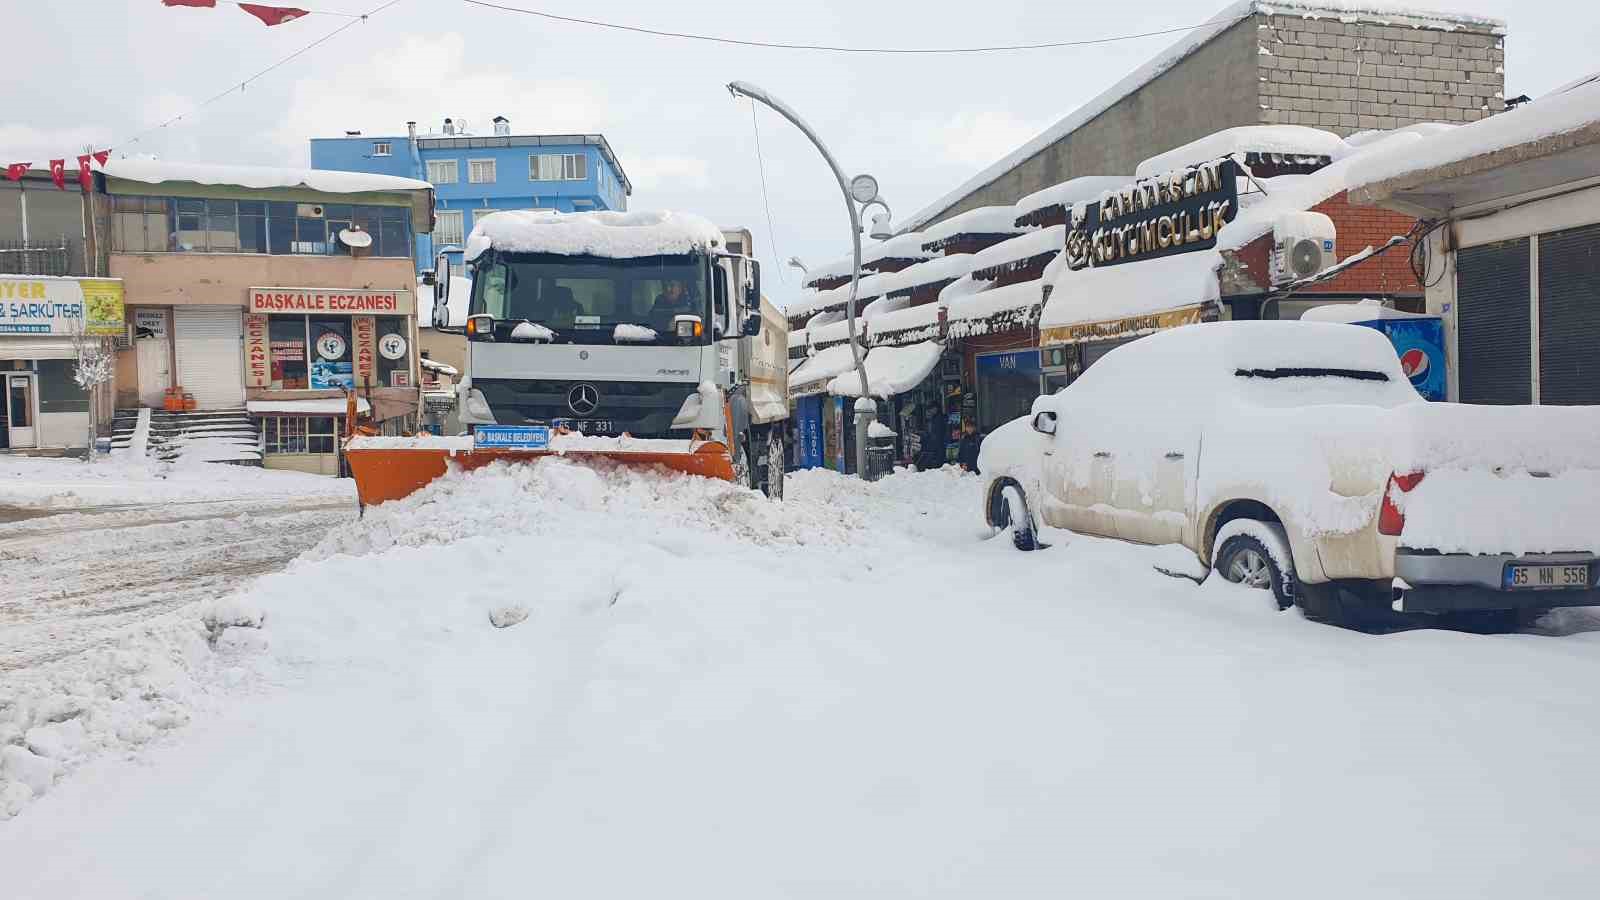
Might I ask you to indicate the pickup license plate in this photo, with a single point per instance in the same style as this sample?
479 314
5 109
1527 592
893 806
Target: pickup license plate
1523 577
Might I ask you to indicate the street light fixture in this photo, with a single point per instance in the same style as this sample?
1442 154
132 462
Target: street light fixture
863 190
795 261
881 229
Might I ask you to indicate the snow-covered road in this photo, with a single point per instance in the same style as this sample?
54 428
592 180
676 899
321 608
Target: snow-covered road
846 694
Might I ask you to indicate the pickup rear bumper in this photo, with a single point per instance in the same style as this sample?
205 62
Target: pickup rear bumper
1450 582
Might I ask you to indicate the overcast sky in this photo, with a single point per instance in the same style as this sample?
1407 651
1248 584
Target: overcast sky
99 71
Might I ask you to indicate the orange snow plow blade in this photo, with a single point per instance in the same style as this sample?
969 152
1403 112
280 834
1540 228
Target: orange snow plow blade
389 473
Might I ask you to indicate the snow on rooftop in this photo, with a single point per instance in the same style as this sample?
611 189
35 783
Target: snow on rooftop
824 364
994 301
940 268
1046 240
983 220
901 246
1568 110
1104 293
1358 10
922 316
326 406
1297 140
890 370
1075 190
869 286
1368 310
616 235
155 171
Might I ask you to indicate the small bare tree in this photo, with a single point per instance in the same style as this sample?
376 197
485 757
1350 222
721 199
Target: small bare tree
96 364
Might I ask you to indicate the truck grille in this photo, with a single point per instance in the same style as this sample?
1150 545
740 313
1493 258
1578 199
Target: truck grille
640 408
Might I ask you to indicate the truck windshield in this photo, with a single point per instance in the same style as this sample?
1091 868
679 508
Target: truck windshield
592 300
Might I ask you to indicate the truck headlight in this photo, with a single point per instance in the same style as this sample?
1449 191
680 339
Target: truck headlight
687 327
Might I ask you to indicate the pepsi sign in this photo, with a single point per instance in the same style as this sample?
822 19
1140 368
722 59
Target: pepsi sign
1419 342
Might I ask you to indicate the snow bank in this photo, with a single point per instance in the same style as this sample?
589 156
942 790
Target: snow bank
69 483
1288 140
890 370
155 171
1550 115
1101 293
411 442
617 235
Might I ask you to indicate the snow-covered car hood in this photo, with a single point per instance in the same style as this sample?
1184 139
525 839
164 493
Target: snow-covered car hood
1014 449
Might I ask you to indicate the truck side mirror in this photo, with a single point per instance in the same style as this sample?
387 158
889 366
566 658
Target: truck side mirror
429 277
751 326
752 294
441 291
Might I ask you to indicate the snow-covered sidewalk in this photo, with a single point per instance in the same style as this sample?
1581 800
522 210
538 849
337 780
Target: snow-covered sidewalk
125 479
846 694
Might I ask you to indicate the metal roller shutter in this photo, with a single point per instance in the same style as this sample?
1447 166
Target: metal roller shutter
210 345
1569 316
1494 328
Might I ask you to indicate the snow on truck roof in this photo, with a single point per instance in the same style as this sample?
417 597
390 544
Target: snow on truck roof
615 235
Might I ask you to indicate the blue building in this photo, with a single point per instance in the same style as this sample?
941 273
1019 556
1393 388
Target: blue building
474 175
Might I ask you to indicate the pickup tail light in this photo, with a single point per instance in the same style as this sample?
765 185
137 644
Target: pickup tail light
1391 519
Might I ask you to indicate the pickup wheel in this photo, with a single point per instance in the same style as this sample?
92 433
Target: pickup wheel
1010 509
1245 560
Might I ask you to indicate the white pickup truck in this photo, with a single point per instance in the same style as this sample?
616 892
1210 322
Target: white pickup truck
1296 456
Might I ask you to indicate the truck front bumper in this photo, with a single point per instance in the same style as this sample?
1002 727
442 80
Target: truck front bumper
1453 582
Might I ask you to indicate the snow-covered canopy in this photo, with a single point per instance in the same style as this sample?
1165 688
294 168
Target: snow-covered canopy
156 171
1076 190
821 367
890 370
911 322
1569 109
901 246
1106 293
1368 310
325 406
995 309
1289 140
1375 11
940 268
983 220
1026 246
817 301
616 235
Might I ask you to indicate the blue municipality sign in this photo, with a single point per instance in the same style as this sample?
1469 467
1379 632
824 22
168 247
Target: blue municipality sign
512 437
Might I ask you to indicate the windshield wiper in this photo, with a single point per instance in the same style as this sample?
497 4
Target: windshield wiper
1356 374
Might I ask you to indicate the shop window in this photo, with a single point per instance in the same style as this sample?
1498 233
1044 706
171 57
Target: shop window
395 232
58 393
191 219
394 340
300 434
332 357
252 226
139 224
286 336
190 225
280 228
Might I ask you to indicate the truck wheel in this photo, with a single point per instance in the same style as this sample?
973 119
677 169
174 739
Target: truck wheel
1245 560
743 473
775 463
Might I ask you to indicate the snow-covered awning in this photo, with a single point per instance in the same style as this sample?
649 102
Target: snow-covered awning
1020 248
890 370
1011 307
1131 298
325 406
983 220
933 271
1551 141
1030 209
901 246
1284 140
905 326
813 375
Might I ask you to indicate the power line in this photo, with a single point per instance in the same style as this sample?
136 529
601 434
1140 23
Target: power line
356 20
778 45
761 166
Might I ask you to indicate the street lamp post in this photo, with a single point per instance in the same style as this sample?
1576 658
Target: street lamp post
862 189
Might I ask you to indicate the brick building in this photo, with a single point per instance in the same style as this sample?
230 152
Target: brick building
1296 62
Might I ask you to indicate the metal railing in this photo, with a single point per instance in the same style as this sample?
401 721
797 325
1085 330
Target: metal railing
57 256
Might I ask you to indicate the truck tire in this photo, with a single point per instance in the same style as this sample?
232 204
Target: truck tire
744 473
776 457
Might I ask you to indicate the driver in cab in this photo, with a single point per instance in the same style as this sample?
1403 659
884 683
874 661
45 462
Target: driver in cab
674 300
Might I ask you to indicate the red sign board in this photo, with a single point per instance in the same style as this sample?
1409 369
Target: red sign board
257 367
319 300
366 330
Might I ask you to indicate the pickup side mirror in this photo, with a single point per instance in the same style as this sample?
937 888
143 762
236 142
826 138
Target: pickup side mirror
751 326
1044 422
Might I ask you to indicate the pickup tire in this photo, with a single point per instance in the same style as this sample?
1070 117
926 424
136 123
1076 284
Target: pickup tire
1009 508
1244 560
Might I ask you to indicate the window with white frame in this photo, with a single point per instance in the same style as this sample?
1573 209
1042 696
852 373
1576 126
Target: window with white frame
381 148
444 171
558 167
447 227
480 171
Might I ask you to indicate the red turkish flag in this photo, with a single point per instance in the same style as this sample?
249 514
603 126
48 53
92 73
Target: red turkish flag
273 15
85 180
100 156
15 171
208 4
58 173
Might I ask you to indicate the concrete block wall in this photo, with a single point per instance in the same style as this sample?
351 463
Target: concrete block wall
1353 76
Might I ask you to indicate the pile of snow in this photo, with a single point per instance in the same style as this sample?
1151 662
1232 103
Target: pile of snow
1034 243
983 220
890 370
879 430
450 442
155 171
1572 108
67 483
616 235
1286 140
910 322
867 287
1104 293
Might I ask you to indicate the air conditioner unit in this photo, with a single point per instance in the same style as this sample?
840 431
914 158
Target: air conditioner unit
309 210
1302 245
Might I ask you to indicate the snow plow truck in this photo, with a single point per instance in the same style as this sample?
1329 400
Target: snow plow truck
635 337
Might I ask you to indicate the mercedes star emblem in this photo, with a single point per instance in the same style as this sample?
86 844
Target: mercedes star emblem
583 399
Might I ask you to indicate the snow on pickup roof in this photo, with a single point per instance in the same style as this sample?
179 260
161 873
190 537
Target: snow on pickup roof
1297 140
1569 109
1103 293
616 235
1046 240
1377 11
155 171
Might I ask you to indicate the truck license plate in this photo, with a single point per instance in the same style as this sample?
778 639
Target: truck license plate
584 426
1519 577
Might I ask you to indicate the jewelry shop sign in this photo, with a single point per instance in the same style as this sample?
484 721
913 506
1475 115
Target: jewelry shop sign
1175 212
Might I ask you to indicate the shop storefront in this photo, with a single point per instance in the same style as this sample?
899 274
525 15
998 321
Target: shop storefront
44 322
1006 383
